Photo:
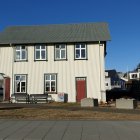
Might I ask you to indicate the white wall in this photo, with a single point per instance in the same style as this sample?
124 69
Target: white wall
93 69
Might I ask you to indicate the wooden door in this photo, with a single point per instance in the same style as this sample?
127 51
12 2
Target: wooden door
80 88
7 88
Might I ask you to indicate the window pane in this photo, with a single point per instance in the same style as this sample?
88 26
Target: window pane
37 54
48 89
37 47
47 77
77 53
17 86
43 47
53 86
62 46
23 89
17 78
47 86
53 77
77 45
43 54
23 55
22 86
17 55
57 46
18 48
62 53
83 54
82 45
53 83
22 78
57 53
23 47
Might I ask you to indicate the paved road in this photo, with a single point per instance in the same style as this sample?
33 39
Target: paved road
69 130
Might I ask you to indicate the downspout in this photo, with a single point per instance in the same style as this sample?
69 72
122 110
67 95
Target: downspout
12 69
100 70
102 92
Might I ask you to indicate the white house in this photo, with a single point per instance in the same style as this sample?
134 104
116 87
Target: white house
55 59
107 82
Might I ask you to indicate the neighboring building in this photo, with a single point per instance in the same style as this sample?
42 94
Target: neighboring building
113 81
107 81
132 75
56 59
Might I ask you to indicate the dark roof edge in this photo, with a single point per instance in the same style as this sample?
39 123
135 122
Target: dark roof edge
55 42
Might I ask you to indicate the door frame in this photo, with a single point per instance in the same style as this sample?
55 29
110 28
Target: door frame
85 78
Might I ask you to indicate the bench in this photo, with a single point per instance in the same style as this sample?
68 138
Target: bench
19 98
32 98
38 98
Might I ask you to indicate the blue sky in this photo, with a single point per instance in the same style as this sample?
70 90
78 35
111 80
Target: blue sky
123 17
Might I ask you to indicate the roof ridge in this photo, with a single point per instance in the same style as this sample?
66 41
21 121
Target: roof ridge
44 25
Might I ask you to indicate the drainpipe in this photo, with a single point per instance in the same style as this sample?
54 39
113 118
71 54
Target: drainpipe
102 91
12 78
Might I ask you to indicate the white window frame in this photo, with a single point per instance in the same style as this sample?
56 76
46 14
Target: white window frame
40 51
20 50
50 80
78 47
22 79
58 47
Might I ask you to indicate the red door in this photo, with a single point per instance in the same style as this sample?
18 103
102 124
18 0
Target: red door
80 89
7 88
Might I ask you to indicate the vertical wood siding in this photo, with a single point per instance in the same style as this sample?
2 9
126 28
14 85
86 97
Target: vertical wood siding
66 70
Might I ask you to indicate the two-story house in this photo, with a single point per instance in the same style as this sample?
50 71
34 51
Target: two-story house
53 59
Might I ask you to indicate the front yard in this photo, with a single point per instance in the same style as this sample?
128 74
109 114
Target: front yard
65 111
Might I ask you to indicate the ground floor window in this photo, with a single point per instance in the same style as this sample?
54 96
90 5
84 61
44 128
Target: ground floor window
50 83
20 83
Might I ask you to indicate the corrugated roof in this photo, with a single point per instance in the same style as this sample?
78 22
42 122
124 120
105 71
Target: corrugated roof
84 32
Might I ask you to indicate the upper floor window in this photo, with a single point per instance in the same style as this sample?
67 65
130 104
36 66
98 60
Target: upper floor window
40 52
134 75
21 83
80 51
60 52
20 53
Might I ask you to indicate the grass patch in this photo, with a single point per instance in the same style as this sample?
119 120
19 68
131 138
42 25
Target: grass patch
65 111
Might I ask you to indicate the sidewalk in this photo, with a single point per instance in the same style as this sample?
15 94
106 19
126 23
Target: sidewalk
69 130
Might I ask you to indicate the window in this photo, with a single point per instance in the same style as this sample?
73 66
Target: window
134 76
20 53
106 84
40 52
60 52
20 83
50 83
80 51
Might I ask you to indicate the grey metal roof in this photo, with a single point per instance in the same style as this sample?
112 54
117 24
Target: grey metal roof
84 32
